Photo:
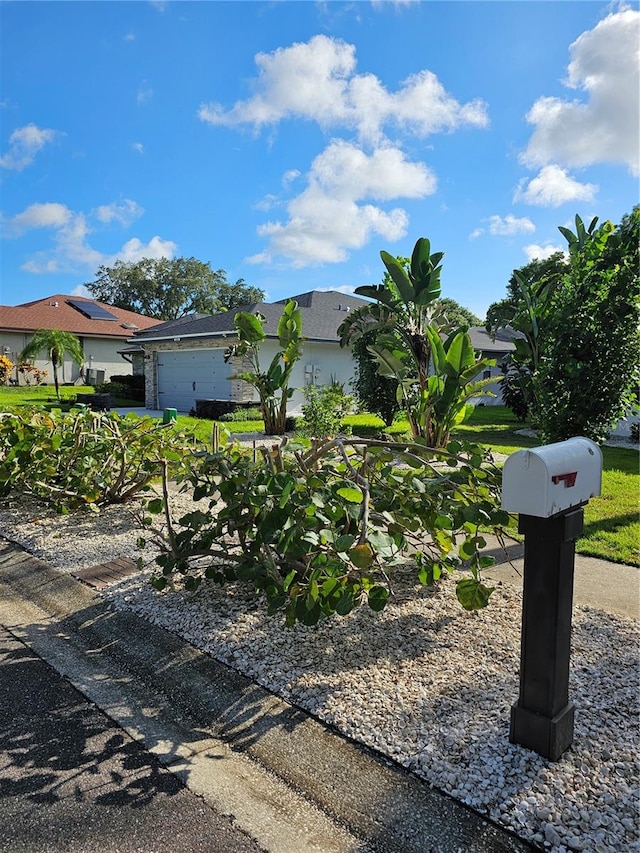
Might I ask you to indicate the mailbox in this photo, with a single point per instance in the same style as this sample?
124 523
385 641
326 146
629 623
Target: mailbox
544 481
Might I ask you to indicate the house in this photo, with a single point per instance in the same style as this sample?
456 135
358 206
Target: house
497 348
102 329
184 359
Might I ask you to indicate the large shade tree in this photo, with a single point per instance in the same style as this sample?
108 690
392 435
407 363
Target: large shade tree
170 288
55 344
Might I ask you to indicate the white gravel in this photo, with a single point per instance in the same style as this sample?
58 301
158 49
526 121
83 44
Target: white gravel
423 682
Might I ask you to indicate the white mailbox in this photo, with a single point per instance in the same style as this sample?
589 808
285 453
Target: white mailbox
544 481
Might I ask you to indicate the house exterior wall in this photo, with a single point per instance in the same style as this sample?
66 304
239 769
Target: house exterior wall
494 387
100 354
319 363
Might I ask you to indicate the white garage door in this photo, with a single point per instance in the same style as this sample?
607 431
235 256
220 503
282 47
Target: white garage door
188 375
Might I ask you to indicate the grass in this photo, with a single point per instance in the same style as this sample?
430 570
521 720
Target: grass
37 395
612 522
45 395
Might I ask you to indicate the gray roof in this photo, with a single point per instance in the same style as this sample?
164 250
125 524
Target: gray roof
503 343
322 313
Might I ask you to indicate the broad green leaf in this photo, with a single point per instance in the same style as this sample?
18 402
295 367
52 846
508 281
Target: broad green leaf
352 494
377 598
472 594
361 556
343 543
249 327
399 277
345 603
390 365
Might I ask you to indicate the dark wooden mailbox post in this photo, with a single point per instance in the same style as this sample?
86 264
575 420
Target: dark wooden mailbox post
548 486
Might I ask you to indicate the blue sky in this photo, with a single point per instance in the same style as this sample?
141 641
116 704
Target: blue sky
289 142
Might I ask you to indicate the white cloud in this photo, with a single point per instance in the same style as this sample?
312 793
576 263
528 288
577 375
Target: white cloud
24 144
553 187
290 176
477 232
340 207
509 225
331 215
124 213
71 250
267 203
47 215
604 127
540 253
129 37
138 146
342 288
317 81
134 250
81 290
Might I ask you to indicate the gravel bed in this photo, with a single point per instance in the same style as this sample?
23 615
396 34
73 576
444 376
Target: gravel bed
423 682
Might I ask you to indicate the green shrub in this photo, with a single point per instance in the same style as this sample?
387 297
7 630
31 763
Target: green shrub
317 531
125 386
131 380
251 414
116 389
86 459
323 412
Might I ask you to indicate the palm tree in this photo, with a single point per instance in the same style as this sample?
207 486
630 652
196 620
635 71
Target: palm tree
56 344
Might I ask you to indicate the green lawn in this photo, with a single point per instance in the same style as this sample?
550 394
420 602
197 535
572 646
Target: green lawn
612 522
38 394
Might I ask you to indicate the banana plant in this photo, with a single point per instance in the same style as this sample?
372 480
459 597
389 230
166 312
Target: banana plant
272 384
408 322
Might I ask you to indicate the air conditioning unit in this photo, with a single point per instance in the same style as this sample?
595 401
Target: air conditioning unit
94 376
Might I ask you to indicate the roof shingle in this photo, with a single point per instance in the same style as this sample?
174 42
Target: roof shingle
55 312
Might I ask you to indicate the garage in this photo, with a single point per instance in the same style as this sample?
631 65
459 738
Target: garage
187 375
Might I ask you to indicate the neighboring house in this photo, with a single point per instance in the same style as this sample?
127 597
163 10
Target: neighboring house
184 359
498 349
102 329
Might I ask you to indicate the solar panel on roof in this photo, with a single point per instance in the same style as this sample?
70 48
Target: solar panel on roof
91 310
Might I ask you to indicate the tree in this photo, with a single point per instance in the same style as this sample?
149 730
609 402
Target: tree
590 354
56 344
538 274
271 384
407 344
524 309
457 315
167 289
378 393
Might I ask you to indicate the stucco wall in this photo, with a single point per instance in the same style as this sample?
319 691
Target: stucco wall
319 363
100 354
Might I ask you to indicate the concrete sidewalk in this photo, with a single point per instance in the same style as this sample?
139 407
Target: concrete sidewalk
613 587
290 783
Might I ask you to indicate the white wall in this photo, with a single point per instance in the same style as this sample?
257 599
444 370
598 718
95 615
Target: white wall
320 363
100 354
